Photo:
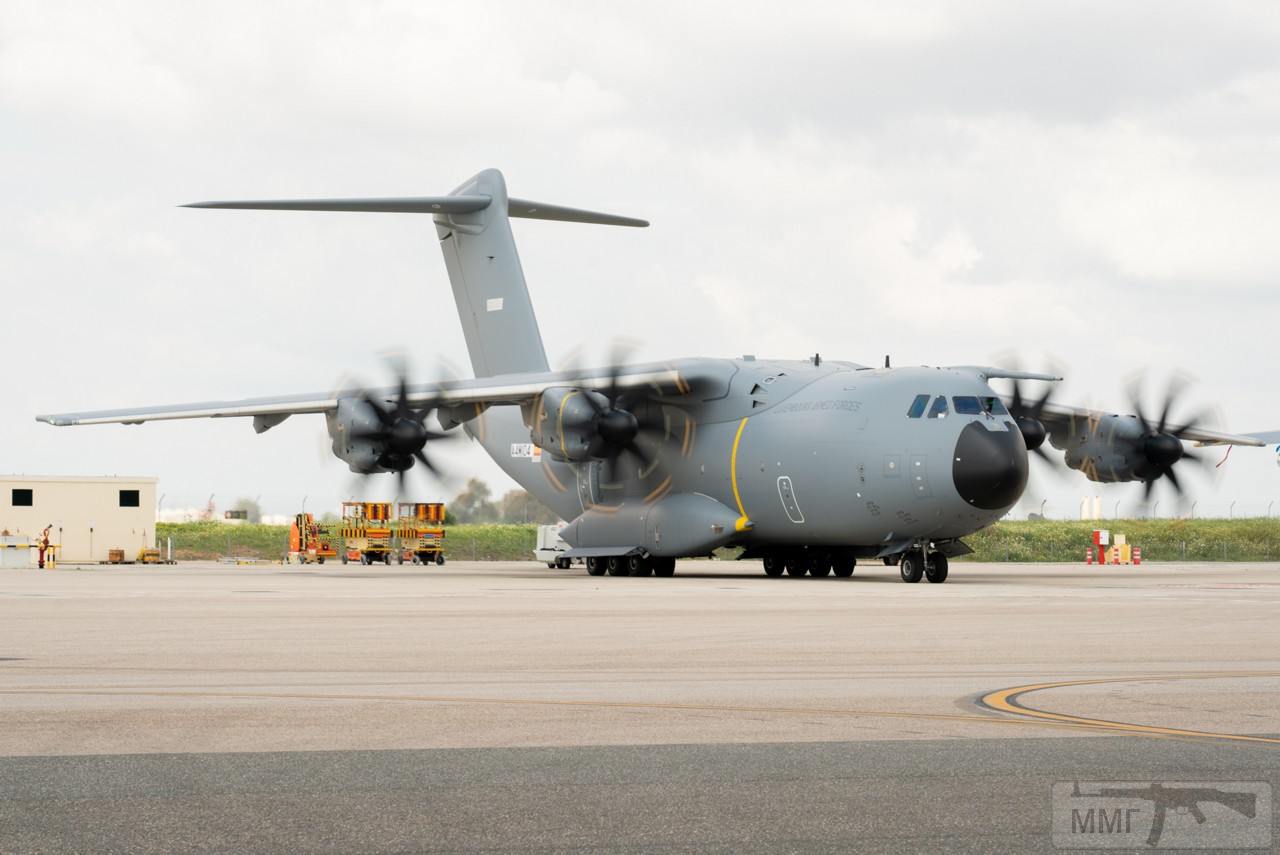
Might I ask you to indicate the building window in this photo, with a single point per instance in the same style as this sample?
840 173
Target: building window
129 499
22 497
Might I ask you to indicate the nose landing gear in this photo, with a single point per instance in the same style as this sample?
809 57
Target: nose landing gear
917 564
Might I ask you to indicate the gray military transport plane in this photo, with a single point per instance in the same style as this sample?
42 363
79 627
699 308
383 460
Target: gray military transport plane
808 465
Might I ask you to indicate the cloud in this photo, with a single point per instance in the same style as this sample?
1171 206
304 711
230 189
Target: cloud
938 181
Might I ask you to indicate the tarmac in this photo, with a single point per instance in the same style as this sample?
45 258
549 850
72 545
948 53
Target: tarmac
508 706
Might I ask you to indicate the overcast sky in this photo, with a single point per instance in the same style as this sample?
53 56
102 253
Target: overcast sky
949 183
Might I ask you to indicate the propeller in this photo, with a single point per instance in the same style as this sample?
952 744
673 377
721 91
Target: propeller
1161 442
622 421
1026 414
401 430
632 423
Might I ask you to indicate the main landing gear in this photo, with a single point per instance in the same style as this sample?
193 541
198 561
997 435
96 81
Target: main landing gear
632 565
917 564
810 562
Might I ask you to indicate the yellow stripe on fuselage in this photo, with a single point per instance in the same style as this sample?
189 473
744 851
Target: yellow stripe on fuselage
743 522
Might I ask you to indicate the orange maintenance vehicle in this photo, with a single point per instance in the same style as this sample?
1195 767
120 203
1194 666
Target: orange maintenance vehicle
310 542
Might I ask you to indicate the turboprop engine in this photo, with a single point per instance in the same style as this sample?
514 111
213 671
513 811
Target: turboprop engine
568 423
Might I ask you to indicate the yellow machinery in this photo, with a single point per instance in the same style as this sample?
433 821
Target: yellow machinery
419 532
368 533
365 532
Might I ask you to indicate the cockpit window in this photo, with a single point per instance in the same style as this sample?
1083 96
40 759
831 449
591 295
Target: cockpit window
994 406
967 405
917 407
939 408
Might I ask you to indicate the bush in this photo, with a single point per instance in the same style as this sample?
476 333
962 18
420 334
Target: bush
212 540
1256 539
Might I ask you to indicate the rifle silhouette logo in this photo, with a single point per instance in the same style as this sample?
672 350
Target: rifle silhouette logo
1180 799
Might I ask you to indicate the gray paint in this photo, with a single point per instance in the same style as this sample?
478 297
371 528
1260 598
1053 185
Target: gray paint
759 452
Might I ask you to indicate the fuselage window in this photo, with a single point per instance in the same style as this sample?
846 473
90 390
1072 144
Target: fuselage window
939 408
967 405
917 407
994 406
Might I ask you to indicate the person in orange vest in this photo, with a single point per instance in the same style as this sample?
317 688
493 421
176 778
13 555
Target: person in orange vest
42 546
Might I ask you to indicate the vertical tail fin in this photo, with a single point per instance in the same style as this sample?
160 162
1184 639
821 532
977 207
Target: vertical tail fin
480 254
488 283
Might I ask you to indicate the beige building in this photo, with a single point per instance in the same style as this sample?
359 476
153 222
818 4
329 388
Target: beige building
90 516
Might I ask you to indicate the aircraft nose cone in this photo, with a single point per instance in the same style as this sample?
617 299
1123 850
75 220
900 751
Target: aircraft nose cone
990 466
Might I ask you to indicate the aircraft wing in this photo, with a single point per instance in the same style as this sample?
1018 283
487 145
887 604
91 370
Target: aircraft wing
509 389
1054 415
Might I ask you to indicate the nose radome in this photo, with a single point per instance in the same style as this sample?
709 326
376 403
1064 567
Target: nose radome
990 466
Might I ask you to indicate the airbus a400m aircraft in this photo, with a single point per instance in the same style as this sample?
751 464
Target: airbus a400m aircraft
809 465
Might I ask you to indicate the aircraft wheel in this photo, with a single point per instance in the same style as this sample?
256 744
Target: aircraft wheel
819 564
911 566
936 570
664 566
595 566
796 566
773 564
638 565
843 565
617 566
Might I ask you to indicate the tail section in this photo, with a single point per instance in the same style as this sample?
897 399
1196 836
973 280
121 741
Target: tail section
480 254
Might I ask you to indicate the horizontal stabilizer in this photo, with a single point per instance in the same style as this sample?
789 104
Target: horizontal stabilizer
538 211
394 205
461 204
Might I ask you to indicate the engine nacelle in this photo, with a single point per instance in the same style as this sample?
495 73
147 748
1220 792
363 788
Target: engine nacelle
1115 449
565 423
354 416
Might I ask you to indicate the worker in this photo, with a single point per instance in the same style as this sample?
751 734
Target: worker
42 546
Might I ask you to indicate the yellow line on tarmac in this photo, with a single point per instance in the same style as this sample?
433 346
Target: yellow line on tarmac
249 694
1010 701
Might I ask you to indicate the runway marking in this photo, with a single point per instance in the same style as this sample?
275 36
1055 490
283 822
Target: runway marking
1002 700
1010 701
555 702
